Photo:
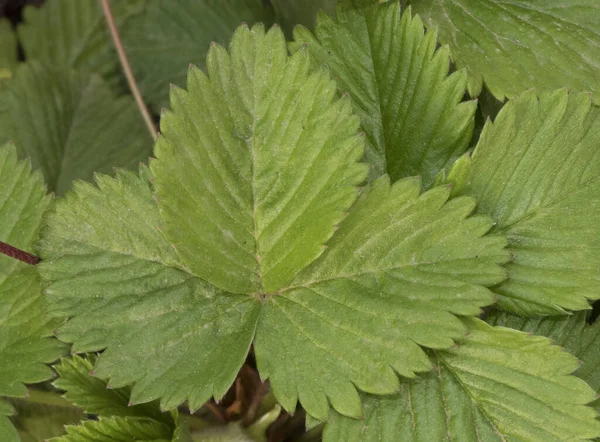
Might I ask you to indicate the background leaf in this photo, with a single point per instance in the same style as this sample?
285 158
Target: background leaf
290 13
8 49
410 108
516 45
535 171
72 34
497 385
164 40
70 124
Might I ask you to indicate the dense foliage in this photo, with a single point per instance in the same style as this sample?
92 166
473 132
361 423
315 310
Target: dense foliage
376 222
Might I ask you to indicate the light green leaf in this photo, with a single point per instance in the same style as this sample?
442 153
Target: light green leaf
571 332
117 429
410 108
167 329
457 175
271 157
8 49
497 385
393 277
93 396
70 125
72 34
535 171
266 195
25 345
164 40
516 45
290 13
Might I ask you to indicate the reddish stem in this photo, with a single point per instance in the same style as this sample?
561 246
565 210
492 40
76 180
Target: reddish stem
21 255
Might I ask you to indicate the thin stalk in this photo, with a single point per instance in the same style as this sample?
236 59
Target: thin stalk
40 397
21 255
110 21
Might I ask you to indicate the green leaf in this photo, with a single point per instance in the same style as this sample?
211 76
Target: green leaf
266 195
72 34
43 415
8 49
70 124
497 385
162 320
410 108
25 345
117 429
516 45
6 427
290 13
164 40
535 171
95 397
393 277
271 157
571 332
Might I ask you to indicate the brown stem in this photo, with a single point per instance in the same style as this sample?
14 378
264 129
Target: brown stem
216 411
21 255
127 69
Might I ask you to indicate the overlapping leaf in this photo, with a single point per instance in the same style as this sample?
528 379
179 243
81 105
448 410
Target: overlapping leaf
70 125
117 429
497 385
290 13
6 427
409 107
25 345
162 41
516 45
255 168
72 34
536 171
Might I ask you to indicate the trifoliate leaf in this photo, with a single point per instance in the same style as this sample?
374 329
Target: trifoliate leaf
24 328
43 415
410 108
8 49
571 332
93 396
256 165
290 13
162 41
497 385
72 34
70 124
25 345
516 45
535 171
117 429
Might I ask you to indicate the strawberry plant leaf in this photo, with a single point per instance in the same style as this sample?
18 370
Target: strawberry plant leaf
25 345
290 13
117 429
6 427
93 396
8 49
163 40
496 40
72 34
273 169
497 385
70 124
535 171
410 108
571 332
381 290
